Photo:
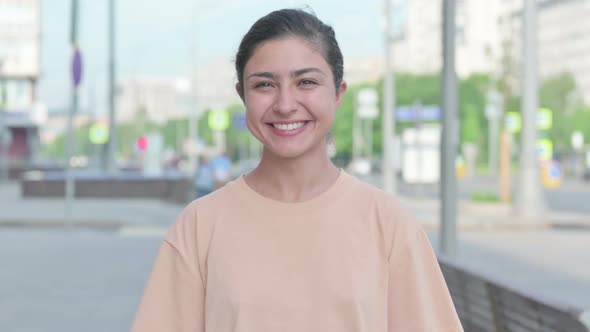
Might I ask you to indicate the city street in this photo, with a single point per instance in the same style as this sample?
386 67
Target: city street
572 196
54 280
71 281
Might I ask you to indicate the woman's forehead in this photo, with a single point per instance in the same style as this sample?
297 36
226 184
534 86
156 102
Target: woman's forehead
286 56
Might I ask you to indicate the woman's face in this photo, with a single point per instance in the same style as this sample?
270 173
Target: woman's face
290 97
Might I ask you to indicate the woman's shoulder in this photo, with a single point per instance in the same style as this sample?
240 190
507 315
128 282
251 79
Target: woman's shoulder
362 191
389 210
198 218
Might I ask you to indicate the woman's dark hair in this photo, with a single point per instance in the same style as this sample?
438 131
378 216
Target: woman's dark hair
291 22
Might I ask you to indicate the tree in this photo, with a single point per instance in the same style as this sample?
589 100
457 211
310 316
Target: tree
559 93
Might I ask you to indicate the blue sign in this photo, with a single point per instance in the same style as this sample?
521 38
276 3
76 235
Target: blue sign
554 171
239 121
417 113
77 68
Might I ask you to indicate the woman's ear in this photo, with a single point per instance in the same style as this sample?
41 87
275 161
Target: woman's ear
240 91
341 91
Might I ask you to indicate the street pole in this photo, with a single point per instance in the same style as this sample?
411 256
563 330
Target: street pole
4 165
493 112
193 115
111 164
389 180
449 134
76 79
356 130
493 145
530 205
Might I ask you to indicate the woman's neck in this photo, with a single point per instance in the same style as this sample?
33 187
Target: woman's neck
295 179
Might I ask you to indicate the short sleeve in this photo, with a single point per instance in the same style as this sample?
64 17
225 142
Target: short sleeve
418 297
174 297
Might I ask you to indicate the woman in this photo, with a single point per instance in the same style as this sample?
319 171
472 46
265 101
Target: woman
297 244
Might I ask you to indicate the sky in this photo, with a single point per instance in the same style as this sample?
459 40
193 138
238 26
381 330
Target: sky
157 39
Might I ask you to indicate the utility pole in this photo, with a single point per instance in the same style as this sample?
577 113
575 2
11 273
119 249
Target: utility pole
450 135
76 79
530 205
111 163
389 180
4 165
193 114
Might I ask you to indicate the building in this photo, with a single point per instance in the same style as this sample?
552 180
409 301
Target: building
417 26
158 99
214 85
564 41
363 70
20 112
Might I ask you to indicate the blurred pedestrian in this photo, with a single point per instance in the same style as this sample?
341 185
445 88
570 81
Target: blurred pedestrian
205 177
297 244
221 166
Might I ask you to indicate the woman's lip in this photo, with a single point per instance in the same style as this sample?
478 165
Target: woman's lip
286 122
289 133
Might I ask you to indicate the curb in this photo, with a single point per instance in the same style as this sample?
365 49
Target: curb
101 225
514 226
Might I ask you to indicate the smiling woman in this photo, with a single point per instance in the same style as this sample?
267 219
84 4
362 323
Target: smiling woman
296 244
290 97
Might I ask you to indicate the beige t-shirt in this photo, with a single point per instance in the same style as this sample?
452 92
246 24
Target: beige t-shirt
347 260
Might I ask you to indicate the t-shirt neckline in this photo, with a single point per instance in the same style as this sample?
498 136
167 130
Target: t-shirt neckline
260 201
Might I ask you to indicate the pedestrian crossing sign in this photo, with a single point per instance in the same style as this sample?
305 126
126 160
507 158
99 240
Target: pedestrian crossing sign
218 120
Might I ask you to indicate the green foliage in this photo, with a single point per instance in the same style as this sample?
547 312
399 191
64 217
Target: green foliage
485 197
423 88
555 91
559 94
412 89
564 124
471 130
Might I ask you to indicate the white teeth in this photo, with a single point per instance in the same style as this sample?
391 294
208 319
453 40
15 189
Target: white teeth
290 126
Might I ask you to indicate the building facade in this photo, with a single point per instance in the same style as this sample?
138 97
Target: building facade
564 41
418 35
21 114
158 99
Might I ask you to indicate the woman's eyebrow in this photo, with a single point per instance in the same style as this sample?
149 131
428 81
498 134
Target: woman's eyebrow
264 74
304 71
292 74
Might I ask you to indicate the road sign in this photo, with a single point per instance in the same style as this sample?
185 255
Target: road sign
77 68
545 149
415 113
577 140
544 119
99 133
513 122
494 104
218 120
551 174
367 103
239 121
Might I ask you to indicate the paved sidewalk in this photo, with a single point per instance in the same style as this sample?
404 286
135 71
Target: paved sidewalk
472 215
93 213
114 213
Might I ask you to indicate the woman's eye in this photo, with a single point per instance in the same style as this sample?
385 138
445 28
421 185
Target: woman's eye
307 82
263 85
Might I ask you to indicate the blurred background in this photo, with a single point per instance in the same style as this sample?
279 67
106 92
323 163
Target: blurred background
115 115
